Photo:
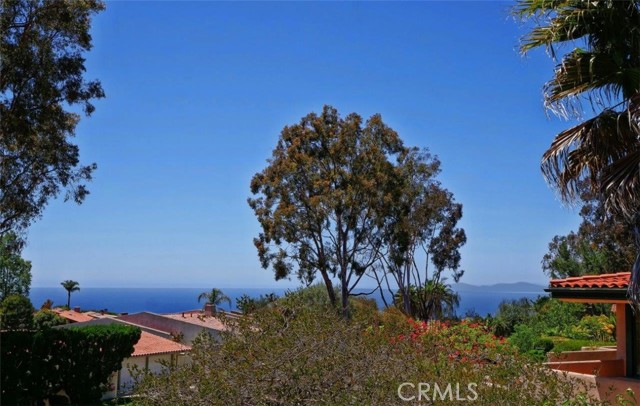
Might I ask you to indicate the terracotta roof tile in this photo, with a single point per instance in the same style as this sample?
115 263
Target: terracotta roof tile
611 280
150 344
74 316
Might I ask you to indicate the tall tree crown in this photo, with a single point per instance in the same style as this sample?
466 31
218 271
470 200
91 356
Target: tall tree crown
41 80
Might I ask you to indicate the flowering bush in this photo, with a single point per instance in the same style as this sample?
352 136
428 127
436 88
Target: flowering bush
466 341
295 354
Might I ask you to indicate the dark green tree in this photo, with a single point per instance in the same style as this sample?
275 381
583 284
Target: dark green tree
70 286
16 313
323 200
602 244
15 272
512 313
248 305
602 72
42 86
214 297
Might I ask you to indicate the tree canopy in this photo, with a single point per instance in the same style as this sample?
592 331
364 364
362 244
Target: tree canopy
16 313
41 83
332 196
602 244
15 272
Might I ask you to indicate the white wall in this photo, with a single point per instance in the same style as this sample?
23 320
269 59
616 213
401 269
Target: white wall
154 364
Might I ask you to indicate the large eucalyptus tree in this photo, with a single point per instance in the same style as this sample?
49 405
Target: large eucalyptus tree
42 93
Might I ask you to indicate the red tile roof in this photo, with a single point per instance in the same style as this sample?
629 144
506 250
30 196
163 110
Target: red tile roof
150 344
610 280
73 316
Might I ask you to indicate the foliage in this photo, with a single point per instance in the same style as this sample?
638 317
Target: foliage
424 220
247 304
322 200
45 318
576 345
529 341
314 295
47 304
433 300
15 272
598 328
332 198
16 313
602 244
556 318
290 353
535 328
214 297
41 85
70 286
601 152
78 360
511 313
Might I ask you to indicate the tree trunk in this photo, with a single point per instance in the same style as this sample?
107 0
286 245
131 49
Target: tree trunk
329 286
406 298
345 298
69 299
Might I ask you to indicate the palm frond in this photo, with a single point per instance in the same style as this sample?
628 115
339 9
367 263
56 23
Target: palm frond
621 184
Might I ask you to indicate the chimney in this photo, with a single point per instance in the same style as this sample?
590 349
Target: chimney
76 309
208 309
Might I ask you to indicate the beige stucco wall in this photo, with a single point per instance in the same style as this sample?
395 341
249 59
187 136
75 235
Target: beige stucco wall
129 365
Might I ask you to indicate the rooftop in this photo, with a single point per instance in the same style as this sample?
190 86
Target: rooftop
72 315
197 317
618 280
150 344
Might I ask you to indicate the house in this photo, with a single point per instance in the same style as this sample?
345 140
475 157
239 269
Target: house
165 338
74 316
150 354
187 324
608 370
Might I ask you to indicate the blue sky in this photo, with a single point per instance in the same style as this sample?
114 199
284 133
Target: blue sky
197 94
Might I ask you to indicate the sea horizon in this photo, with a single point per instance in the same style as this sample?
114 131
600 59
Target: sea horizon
172 300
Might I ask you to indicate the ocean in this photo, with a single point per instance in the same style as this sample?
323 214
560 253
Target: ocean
170 300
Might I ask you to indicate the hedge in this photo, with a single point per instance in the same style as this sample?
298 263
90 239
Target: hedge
79 360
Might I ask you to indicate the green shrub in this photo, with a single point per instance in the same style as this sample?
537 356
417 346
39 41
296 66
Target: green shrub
45 318
16 313
555 317
576 345
37 365
599 328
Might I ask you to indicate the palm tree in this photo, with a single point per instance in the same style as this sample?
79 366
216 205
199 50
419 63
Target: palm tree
214 297
433 300
70 286
440 300
603 72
